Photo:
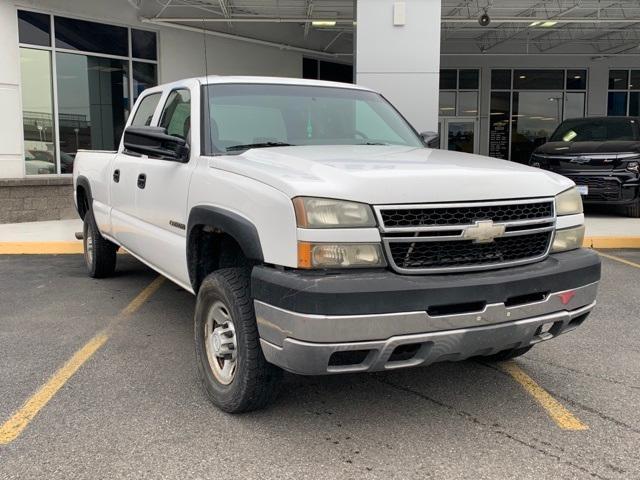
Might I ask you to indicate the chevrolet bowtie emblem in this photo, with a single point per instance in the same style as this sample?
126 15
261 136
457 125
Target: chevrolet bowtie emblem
483 231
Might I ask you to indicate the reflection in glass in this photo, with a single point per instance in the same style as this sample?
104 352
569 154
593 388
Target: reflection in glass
448 79
574 105
634 83
618 79
467 104
93 104
460 136
144 76
538 79
535 116
91 36
576 79
143 44
34 28
634 104
617 104
37 111
447 104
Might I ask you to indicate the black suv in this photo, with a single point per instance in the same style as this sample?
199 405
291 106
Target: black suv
600 154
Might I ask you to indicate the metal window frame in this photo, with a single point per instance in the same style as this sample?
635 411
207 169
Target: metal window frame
54 82
564 91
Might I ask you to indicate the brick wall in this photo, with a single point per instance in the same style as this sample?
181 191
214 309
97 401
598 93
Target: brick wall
32 200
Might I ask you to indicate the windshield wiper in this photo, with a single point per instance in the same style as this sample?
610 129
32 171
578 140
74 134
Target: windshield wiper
247 146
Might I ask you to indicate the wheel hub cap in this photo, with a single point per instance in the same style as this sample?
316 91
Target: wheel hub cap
220 343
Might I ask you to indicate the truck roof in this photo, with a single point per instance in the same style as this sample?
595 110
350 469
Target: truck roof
213 79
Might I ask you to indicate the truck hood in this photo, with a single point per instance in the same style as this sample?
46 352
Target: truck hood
390 174
577 148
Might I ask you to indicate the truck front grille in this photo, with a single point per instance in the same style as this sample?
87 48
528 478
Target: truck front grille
465 253
599 188
443 238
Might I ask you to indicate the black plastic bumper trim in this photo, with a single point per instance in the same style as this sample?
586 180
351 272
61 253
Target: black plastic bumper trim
370 292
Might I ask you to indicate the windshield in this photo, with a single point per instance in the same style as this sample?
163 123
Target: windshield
243 116
596 130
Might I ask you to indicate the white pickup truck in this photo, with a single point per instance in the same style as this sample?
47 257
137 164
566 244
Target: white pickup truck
321 236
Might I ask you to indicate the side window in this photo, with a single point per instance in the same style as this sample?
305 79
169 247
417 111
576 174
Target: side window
176 115
145 110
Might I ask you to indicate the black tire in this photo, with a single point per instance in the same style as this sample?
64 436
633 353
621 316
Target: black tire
255 382
99 253
633 210
507 354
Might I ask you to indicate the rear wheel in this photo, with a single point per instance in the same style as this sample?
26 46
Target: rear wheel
99 253
507 354
633 210
232 367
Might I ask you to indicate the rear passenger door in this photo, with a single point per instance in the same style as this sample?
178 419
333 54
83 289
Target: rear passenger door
161 202
125 221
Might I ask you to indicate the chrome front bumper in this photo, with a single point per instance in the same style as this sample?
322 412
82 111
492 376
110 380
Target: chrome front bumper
306 344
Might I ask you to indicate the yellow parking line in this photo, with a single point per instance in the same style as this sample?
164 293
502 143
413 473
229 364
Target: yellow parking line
40 248
12 428
558 413
618 259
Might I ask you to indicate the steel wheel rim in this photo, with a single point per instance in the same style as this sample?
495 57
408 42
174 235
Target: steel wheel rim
220 343
89 245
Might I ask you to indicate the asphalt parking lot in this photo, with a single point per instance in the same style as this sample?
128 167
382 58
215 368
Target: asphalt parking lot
135 408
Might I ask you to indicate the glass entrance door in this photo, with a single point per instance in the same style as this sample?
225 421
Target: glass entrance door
459 134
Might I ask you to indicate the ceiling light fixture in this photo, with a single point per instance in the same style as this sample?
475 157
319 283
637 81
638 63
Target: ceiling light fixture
324 23
550 23
534 24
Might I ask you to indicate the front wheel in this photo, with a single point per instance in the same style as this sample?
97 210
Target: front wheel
99 253
232 367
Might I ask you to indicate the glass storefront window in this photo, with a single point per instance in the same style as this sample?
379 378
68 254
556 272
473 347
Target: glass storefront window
447 104
94 85
34 28
93 103
535 116
144 76
634 104
468 104
448 79
469 79
538 79
617 104
37 112
501 80
576 79
143 44
92 37
618 79
634 82
574 105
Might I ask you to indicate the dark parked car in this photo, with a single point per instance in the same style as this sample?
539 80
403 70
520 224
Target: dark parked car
601 155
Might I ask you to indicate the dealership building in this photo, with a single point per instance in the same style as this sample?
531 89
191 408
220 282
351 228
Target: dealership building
494 77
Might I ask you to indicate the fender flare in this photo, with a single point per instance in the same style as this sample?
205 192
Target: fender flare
83 182
238 227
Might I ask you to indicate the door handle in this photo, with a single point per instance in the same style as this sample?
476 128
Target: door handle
116 176
142 180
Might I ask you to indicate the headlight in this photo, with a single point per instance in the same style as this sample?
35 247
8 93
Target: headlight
569 202
328 213
339 255
568 239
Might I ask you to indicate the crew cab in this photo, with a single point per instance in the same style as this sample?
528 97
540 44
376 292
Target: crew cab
321 236
601 155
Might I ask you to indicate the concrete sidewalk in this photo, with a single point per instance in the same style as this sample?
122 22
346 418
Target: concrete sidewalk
601 232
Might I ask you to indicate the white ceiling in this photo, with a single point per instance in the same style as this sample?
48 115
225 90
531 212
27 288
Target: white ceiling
590 27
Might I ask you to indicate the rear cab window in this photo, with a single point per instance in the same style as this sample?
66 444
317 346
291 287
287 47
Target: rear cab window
146 108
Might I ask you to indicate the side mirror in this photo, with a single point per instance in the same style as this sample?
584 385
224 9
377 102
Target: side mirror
154 142
431 139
